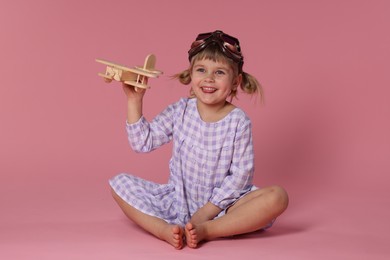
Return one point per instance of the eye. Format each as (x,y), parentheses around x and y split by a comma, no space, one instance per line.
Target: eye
(220,72)
(200,70)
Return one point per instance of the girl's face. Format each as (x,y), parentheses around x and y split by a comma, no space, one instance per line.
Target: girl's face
(212,82)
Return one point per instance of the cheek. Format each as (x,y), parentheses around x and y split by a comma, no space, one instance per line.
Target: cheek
(194,81)
(194,87)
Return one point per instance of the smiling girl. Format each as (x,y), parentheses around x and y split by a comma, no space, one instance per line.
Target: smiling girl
(210,193)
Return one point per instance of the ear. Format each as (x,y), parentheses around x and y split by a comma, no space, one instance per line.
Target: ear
(237,81)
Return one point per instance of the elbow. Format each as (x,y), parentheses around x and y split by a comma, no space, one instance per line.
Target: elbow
(140,147)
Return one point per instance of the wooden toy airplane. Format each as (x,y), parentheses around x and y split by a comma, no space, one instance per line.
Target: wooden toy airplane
(136,76)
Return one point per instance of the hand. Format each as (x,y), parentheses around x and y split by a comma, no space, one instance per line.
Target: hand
(133,92)
(205,213)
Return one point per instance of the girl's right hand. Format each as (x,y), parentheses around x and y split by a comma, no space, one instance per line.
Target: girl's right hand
(133,92)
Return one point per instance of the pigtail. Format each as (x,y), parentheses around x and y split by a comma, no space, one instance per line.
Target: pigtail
(250,85)
(184,77)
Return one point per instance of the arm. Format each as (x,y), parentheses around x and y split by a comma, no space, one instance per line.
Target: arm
(146,136)
(239,178)
(134,103)
(207,212)
(237,182)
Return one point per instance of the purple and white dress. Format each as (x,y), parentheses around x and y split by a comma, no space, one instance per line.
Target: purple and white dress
(211,162)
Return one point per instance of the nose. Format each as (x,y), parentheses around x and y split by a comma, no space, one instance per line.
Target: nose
(209,77)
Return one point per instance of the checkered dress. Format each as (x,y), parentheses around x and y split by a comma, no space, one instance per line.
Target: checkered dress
(211,162)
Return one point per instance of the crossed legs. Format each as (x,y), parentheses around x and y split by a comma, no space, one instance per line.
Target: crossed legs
(252,212)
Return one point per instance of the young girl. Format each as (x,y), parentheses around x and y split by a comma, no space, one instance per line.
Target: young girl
(210,192)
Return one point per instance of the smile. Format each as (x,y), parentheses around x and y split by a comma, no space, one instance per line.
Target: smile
(208,89)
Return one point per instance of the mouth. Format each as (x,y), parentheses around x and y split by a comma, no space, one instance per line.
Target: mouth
(208,89)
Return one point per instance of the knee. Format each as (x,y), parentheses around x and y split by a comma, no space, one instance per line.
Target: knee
(278,198)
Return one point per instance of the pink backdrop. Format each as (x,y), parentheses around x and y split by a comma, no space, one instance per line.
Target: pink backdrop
(323,132)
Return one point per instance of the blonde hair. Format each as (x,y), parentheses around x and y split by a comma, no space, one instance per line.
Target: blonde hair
(249,83)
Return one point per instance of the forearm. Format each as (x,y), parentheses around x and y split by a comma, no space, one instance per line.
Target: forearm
(134,110)
(134,102)
(207,212)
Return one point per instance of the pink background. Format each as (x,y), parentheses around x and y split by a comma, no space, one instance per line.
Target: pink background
(323,132)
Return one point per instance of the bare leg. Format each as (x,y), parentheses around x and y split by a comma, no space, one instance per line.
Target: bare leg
(173,234)
(252,212)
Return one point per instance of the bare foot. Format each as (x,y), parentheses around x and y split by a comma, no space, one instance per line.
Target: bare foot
(174,235)
(194,235)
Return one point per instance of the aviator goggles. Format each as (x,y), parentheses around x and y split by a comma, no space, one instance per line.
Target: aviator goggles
(229,45)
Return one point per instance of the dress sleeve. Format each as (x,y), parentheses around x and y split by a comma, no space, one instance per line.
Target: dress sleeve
(146,136)
(239,179)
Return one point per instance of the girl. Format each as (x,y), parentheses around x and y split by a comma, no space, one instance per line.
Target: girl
(210,192)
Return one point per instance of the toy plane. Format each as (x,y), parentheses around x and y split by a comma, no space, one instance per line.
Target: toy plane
(136,76)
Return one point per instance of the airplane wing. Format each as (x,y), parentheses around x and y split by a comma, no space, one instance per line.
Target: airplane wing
(156,72)
(136,70)
(137,84)
(111,64)
(144,72)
